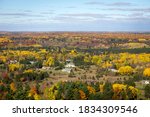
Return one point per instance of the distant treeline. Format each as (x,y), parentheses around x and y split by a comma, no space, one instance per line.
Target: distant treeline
(88,50)
(115,50)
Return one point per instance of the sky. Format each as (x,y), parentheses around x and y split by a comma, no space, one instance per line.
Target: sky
(75,15)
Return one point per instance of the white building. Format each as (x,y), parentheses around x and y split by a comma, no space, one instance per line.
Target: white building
(145,82)
(68,70)
(45,68)
(113,70)
(69,66)
(13,61)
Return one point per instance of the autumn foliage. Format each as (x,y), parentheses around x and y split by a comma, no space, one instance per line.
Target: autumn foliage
(74,65)
(146,72)
(126,70)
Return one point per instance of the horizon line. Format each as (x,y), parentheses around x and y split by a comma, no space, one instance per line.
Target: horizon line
(82,31)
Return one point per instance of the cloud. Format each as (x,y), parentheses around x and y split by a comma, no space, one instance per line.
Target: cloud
(47,12)
(129,9)
(140,9)
(84,15)
(71,7)
(120,4)
(72,17)
(111,4)
(95,3)
(65,19)
(97,17)
(133,17)
(93,17)
(138,19)
(138,16)
(23,14)
(27,11)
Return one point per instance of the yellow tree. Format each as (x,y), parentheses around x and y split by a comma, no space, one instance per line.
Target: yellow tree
(15,66)
(82,95)
(146,72)
(3,58)
(134,91)
(118,90)
(101,87)
(73,52)
(96,60)
(126,70)
(106,64)
(28,71)
(49,62)
(33,93)
(51,93)
(91,90)
(87,58)
(122,91)
(5,40)
(13,87)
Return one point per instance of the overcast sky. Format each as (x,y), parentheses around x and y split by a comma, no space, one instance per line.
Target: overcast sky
(74,15)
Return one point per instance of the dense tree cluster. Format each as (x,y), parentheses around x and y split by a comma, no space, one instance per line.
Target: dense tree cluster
(74,65)
(84,91)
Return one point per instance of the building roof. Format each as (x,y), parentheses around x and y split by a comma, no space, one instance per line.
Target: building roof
(70,65)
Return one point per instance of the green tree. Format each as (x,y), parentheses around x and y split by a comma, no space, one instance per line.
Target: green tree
(147,91)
